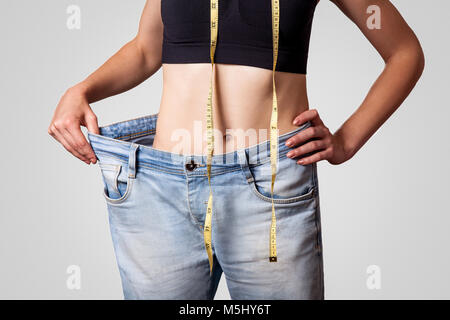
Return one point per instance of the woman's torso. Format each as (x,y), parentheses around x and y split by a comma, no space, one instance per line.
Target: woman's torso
(242,106)
(242,101)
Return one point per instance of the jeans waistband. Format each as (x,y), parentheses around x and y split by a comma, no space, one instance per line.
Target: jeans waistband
(118,139)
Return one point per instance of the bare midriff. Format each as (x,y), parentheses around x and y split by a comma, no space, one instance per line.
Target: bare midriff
(242,105)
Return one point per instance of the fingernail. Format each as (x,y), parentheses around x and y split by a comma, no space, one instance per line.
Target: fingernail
(295,122)
(289,143)
(301,161)
(290,154)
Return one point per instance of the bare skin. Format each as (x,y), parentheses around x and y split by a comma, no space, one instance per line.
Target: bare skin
(243,94)
(242,100)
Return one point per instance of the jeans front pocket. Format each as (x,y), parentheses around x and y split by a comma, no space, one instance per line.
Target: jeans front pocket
(293,183)
(116,182)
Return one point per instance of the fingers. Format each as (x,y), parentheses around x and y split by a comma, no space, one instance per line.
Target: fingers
(91,123)
(318,156)
(315,142)
(69,134)
(308,115)
(307,148)
(80,144)
(307,134)
(72,112)
(55,133)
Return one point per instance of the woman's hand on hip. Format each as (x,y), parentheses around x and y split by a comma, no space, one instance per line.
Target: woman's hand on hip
(72,112)
(316,143)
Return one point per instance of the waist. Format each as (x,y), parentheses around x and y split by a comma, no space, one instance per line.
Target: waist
(242,106)
(115,141)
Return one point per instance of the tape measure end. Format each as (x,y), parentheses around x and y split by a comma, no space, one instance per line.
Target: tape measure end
(273,259)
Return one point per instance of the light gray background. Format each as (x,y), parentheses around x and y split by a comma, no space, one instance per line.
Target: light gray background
(388,206)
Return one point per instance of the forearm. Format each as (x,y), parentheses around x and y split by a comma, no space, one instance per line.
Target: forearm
(130,66)
(401,73)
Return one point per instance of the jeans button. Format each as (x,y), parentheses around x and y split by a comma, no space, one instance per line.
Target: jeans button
(191,166)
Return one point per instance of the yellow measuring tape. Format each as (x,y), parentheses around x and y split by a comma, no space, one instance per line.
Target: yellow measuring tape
(210,132)
(273,130)
(274,127)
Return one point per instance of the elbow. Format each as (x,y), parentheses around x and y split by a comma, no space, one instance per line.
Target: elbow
(411,58)
(420,61)
(416,59)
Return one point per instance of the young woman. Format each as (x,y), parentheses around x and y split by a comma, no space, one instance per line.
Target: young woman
(184,208)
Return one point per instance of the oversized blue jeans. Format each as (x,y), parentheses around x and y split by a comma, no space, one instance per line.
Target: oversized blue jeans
(157,202)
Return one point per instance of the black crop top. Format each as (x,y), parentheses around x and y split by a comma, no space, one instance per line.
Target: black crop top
(244,36)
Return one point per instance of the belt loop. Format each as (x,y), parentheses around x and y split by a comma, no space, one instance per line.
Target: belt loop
(243,161)
(132,161)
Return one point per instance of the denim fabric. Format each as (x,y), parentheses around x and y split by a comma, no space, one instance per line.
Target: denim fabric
(157,202)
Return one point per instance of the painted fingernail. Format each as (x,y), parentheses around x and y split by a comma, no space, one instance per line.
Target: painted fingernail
(290,154)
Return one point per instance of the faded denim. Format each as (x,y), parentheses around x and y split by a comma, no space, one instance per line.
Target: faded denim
(157,202)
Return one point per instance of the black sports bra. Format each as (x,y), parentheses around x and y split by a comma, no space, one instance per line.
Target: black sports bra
(244,36)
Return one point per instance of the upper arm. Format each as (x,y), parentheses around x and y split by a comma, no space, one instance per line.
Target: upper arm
(394,35)
(150,33)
